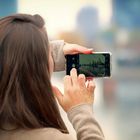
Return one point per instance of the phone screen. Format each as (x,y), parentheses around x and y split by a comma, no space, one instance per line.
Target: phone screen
(92,65)
(95,65)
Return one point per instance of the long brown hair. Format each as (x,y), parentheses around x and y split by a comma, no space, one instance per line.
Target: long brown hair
(26,96)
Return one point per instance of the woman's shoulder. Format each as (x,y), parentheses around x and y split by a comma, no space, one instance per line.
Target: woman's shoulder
(44,134)
(35,134)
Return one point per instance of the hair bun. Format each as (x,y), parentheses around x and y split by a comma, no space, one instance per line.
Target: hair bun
(36,19)
(39,20)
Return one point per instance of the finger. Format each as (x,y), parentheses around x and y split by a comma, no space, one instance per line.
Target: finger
(73,74)
(67,83)
(91,86)
(81,49)
(81,80)
(57,94)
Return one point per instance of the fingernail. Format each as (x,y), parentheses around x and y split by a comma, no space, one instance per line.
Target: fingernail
(74,69)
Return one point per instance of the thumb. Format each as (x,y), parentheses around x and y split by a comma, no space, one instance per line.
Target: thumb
(57,94)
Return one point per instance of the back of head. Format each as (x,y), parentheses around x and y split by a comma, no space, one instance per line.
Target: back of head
(26,97)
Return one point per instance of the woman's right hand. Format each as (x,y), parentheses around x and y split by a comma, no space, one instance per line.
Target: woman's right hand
(75,91)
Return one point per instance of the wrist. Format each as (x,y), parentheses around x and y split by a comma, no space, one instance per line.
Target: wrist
(85,108)
(81,106)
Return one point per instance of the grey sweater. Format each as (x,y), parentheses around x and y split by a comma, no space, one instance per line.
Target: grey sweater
(80,116)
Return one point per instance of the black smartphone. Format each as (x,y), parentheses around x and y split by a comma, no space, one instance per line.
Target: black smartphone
(91,65)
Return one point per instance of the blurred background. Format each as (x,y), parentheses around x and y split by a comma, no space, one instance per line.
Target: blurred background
(104,25)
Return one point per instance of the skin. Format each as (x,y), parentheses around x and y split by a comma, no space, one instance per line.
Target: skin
(76,91)
(74,49)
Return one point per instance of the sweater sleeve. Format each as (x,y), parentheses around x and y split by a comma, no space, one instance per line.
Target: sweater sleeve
(84,123)
(58,55)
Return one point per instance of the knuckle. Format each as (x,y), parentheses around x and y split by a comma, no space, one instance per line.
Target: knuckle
(67,90)
(74,89)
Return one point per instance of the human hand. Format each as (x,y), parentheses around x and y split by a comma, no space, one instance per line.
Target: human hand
(75,91)
(74,49)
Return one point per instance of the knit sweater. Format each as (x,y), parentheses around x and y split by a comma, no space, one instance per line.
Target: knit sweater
(80,116)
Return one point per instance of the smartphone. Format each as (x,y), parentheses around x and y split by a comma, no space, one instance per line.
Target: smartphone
(91,65)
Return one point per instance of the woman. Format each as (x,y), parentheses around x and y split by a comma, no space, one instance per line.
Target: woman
(28,109)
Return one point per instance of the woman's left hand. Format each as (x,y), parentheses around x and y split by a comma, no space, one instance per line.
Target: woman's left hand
(74,49)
